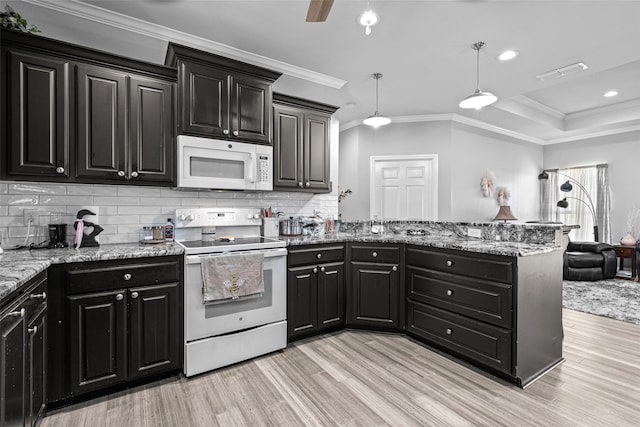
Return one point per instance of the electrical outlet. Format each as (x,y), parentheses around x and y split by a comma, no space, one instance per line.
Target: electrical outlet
(474,232)
(31,216)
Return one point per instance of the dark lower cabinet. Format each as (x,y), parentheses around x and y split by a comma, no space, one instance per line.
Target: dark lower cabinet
(315,291)
(114,324)
(23,355)
(376,293)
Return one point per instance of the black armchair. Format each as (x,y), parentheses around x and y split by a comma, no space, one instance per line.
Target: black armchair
(589,261)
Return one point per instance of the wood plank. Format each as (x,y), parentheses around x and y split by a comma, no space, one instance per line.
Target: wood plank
(359,378)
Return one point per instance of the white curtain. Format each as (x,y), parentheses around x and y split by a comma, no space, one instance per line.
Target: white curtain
(588,198)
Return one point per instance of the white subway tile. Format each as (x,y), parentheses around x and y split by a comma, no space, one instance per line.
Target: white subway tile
(119,219)
(198,202)
(37,188)
(66,200)
(137,210)
(116,201)
(156,201)
(168,192)
(4,188)
(139,191)
(91,190)
(24,200)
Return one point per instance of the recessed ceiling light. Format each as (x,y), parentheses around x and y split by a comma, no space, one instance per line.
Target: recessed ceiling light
(610,93)
(508,54)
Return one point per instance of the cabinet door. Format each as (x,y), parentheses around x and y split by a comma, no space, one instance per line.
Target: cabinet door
(316,153)
(37,367)
(38,116)
(101,144)
(151,140)
(97,340)
(251,109)
(302,301)
(375,295)
(330,295)
(287,147)
(203,100)
(12,368)
(154,336)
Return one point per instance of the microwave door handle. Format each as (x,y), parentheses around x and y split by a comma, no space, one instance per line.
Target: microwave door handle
(252,168)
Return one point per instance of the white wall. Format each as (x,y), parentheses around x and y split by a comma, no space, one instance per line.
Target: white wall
(464,153)
(622,154)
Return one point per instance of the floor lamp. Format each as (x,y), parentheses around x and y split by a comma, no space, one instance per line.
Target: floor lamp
(567,187)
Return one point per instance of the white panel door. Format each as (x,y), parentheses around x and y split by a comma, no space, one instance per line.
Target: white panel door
(404,187)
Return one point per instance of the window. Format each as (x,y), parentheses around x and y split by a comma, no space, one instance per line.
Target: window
(587,203)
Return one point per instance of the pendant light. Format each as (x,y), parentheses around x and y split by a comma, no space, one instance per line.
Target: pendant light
(376,120)
(479,98)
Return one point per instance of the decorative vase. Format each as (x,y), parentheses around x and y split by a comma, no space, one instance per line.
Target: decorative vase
(628,240)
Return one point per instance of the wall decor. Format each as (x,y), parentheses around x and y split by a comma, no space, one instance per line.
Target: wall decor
(11,20)
(487,183)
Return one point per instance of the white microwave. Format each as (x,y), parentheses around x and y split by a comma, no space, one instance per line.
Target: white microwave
(224,165)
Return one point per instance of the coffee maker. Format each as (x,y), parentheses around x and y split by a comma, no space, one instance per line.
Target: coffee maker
(57,232)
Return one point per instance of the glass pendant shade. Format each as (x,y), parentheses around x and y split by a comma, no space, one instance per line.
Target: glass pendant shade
(479,98)
(376,119)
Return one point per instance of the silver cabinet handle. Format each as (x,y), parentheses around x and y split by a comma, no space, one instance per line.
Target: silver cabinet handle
(318,256)
(119,297)
(322,269)
(308,184)
(449,331)
(315,270)
(394,268)
(134,295)
(121,173)
(60,169)
(225,131)
(33,330)
(42,295)
(449,292)
(134,174)
(20,313)
(375,254)
(449,263)
(127,276)
(236,133)
(300,184)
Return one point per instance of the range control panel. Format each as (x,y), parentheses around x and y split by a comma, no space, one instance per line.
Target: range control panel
(203,217)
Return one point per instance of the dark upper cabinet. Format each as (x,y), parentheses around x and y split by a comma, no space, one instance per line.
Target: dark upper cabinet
(301,145)
(222,98)
(78,115)
(101,122)
(37,115)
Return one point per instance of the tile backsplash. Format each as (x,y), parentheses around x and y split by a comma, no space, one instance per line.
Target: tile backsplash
(123,210)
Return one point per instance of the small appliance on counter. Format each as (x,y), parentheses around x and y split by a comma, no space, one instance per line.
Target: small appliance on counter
(58,236)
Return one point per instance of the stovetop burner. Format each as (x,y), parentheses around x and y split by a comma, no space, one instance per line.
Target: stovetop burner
(238,244)
(224,242)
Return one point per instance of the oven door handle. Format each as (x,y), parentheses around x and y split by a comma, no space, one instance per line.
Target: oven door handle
(271,253)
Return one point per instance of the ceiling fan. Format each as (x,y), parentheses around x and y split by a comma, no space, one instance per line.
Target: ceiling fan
(319,10)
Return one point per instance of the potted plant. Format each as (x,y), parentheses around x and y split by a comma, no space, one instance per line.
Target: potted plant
(11,20)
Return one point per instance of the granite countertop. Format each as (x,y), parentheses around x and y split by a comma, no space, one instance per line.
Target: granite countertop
(18,267)
(495,247)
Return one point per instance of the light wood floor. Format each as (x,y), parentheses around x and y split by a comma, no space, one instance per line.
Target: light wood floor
(357,378)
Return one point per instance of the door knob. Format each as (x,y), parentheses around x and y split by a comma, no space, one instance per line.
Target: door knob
(318,256)
(119,297)
(449,292)
(60,169)
(375,254)
(134,174)
(449,331)
(449,263)
(315,270)
(42,295)
(307,184)
(33,330)
(300,184)
(322,269)
(394,268)
(121,173)
(134,295)
(127,276)
(226,131)
(236,133)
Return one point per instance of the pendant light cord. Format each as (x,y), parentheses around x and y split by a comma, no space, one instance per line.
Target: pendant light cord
(377,77)
(477,46)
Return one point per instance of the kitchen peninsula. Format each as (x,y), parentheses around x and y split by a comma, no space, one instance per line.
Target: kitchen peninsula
(494,302)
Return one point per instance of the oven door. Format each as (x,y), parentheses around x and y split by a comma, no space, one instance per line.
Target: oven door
(208,320)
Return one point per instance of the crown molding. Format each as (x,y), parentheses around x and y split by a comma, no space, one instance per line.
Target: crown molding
(138,26)
(545,109)
(453,117)
(593,135)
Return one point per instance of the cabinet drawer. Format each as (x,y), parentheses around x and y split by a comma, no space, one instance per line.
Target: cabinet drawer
(477,341)
(499,269)
(482,300)
(120,276)
(309,255)
(377,254)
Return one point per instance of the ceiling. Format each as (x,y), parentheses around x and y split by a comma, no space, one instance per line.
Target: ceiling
(422,48)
